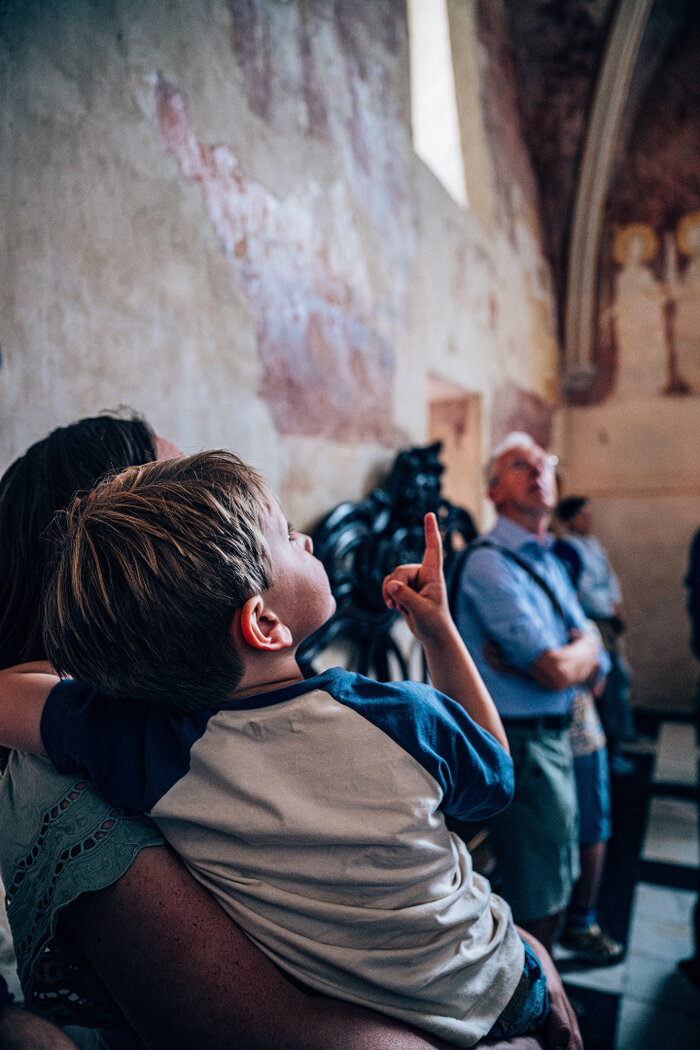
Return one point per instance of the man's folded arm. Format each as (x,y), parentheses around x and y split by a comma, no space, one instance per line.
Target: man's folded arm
(575,663)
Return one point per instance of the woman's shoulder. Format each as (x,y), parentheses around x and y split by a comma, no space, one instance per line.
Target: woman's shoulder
(38,802)
(44,814)
(60,839)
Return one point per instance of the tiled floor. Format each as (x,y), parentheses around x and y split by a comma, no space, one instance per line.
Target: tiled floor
(653,1005)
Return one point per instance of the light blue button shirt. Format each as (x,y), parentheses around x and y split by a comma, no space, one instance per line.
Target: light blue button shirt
(499,600)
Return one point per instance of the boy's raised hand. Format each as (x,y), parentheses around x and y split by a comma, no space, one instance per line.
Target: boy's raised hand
(420,595)
(418,591)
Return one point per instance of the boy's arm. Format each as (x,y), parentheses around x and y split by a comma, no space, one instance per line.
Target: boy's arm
(420,595)
(22,1030)
(23,692)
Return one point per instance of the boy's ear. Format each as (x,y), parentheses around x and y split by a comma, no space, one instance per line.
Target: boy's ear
(261,628)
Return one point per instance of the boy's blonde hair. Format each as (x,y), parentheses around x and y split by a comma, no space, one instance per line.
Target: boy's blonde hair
(150,568)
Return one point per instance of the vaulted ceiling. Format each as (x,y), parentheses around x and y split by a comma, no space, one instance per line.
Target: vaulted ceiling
(600,159)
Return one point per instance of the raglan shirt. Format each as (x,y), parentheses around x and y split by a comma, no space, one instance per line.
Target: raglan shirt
(314,815)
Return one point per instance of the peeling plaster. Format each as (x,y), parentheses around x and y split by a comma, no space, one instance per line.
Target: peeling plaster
(327,369)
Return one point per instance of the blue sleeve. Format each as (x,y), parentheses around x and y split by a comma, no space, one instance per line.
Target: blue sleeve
(598,585)
(473,771)
(133,752)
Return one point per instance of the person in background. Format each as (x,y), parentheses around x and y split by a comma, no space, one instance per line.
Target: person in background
(582,933)
(601,598)
(520,618)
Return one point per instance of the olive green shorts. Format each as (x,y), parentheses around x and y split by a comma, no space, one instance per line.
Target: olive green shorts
(535,840)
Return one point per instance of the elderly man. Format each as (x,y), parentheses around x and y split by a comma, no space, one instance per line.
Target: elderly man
(525,628)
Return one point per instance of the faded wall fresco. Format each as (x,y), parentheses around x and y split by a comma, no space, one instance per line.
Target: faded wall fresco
(685,299)
(326,333)
(214,214)
(327,368)
(632,434)
(648,342)
(656,310)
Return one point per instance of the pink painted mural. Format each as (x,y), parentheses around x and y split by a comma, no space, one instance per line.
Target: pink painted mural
(518,409)
(328,302)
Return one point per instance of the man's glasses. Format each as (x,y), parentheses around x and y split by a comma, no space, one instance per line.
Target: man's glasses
(541,463)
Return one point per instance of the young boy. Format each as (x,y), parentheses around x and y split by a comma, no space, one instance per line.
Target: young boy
(312,810)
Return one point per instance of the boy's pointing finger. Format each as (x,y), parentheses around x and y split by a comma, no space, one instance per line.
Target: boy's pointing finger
(433,543)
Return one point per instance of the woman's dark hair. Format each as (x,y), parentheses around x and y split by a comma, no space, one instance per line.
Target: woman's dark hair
(568,508)
(36,486)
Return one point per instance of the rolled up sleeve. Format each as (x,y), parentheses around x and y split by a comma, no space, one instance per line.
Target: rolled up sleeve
(516,614)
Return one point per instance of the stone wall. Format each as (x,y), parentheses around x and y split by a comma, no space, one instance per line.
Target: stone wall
(213,214)
(634,447)
(638,463)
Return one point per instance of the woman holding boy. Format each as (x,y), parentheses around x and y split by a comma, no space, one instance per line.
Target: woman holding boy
(144,906)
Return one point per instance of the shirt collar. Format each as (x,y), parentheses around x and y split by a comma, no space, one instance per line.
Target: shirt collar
(515,537)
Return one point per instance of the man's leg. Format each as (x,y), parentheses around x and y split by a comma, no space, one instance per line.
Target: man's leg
(584,899)
(582,932)
(535,840)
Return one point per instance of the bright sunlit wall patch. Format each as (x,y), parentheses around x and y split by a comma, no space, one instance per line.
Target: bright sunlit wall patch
(435,125)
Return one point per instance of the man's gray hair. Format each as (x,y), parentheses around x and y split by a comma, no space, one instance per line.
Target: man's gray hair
(515,439)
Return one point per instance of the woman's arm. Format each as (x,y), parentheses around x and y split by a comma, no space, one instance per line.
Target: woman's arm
(23,693)
(184,974)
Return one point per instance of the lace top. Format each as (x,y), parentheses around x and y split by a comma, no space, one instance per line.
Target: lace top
(60,839)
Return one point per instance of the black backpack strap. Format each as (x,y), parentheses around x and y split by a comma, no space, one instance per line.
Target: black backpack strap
(570,559)
(453,575)
(455,569)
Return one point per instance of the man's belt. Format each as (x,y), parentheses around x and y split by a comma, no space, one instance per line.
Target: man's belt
(554,722)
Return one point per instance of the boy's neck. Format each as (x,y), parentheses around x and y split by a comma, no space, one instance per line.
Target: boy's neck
(263,673)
